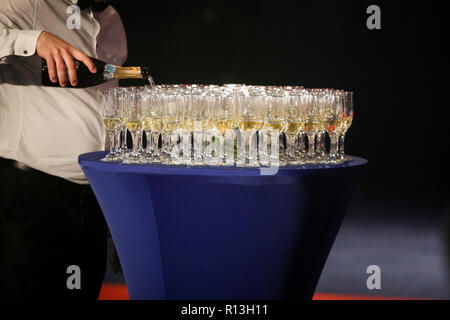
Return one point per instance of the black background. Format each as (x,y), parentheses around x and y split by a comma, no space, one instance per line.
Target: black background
(396,72)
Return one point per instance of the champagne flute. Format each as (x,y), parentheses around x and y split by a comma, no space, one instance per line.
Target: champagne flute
(250,121)
(112,119)
(275,122)
(345,122)
(123,128)
(211,151)
(148,109)
(135,123)
(225,124)
(156,122)
(295,124)
(118,98)
(185,126)
(171,125)
(328,116)
(168,107)
(311,124)
(196,102)
(321,104)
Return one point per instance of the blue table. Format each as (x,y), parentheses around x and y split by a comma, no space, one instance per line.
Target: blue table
(222,233)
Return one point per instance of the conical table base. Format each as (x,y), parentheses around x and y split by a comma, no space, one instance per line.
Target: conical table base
(222,233)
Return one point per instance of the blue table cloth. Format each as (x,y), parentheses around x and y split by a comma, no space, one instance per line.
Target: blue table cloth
(222,232)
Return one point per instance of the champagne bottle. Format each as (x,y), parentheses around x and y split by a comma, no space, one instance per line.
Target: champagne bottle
(105,72)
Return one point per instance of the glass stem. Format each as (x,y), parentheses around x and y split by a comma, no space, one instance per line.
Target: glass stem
(148,147)
(323,148)
(240,146)
(155,141)
(250,147)
(135,142)
(341,145)
(165,144)
(111,142)
(140,140)
(320,144)
(301,144)
(290,145)
(124,139)
(282,147)
(117,148)
(186,146)
(222,148)
(229,147)
(334,145)
(253,148)
(263,144)
(215,146)
(207,147)
(274,141)
(198,147)
(175,146)
(311,143)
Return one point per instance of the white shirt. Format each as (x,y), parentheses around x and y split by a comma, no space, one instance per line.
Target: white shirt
(47,128)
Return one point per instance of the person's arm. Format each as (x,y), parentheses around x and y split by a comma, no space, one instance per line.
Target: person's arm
(54,50)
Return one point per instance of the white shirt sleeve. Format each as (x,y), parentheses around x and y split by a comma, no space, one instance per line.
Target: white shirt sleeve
(14,42)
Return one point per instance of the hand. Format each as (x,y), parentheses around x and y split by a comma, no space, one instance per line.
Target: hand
(60,54)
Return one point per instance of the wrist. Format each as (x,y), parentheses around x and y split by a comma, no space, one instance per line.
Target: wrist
(26,42)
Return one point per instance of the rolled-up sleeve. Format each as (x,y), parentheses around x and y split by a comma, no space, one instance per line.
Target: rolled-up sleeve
(15,42)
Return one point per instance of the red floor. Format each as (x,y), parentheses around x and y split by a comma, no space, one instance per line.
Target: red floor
(119,292)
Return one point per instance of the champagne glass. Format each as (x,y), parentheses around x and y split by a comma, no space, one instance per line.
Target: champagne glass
(345,122)
(156,121)
(321,104)
(115,99)
(225,124)
(135,122)
(141,151)
(185,126)
(196,102)
(311,124)
(169,123)
(211,151)
(275,122)
(300,145)
(263,132)
(118,96)
(250,120)
(112,119)
(152,125)
(123,128)
(328,116)
(295,124)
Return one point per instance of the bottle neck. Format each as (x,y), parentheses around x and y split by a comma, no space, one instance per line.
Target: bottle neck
(117,72)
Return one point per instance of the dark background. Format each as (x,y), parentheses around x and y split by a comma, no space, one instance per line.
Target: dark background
(395,72)
(399,217)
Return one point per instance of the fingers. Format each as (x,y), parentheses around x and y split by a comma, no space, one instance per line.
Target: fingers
(71,68)
(51,69)
(61,70)
(60,54)
(77,54)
